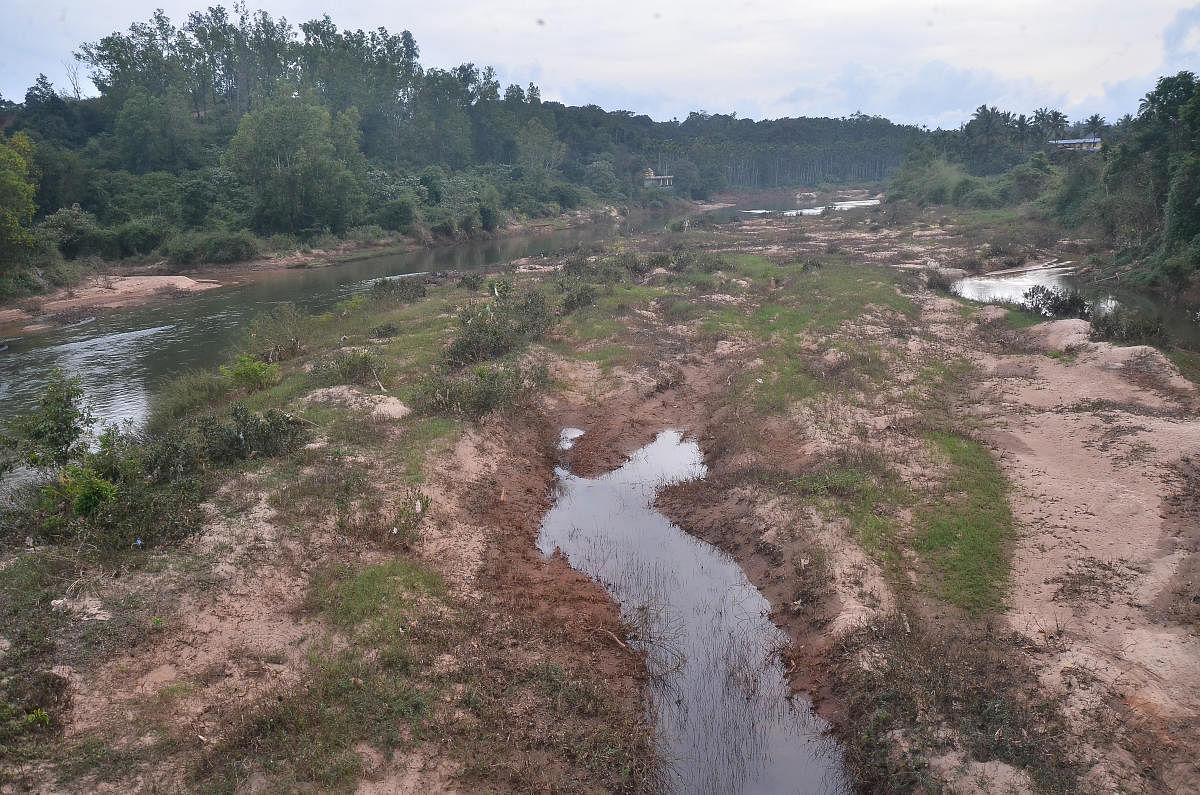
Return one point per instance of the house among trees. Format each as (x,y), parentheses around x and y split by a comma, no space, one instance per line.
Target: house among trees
(651,180)
(1076,145)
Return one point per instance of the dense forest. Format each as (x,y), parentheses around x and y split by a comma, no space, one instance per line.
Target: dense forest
(238,132)
(1140,193)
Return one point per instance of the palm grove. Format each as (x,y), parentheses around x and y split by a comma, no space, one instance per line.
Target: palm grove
(238,132)
(1140,194)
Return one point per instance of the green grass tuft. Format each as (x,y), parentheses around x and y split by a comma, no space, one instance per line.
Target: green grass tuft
(965,535)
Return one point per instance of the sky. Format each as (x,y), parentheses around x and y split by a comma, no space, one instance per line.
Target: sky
(928,63)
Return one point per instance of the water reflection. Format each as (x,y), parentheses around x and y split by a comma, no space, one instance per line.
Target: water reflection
(721,703)
(1009,287)
(1182,326)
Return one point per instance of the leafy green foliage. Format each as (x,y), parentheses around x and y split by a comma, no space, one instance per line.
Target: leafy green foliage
(251,374)
(303,164)
(16,193)
(401,290)
(279,334)
(53,434)
(494,328)
(213,247)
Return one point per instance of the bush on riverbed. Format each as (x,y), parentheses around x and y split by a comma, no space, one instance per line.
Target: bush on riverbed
(481,390)
(403,290)
(1129,328)
(350,367)
(494,328)
(1055,302)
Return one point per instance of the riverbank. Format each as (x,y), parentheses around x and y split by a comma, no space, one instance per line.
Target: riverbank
(975,532)
(120,285)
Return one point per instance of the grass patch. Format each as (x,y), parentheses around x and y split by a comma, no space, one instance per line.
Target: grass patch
(859,485)
(964,535)
(1017,318)
(924,679)
(1187,361)
(305,737)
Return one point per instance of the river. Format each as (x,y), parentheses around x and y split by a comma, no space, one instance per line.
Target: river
(124,356)
(1181,325)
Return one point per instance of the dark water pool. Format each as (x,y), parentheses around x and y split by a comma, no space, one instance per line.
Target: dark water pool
(725,716)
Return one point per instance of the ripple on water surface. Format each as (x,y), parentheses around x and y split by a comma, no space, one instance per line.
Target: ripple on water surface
(723,709)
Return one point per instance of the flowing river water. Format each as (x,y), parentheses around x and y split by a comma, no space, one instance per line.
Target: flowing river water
(123,357)
(726,720)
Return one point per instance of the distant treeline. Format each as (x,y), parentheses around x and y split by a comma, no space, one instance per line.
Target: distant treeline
(1140,192)
(210,138)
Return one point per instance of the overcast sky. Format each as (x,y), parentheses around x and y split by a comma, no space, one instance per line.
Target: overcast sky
(925,63)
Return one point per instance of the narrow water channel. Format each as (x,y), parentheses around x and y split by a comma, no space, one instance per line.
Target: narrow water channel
(725,718)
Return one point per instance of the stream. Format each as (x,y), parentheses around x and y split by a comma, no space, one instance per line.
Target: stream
(725,717)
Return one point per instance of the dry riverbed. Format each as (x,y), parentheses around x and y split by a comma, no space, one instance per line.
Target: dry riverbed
(981,539)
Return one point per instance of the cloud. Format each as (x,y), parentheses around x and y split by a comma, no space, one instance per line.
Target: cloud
(931,62)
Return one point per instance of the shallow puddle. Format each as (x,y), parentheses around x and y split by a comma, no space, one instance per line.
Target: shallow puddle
(724,715)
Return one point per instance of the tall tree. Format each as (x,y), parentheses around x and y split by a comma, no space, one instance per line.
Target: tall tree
(304,166)
(17,188)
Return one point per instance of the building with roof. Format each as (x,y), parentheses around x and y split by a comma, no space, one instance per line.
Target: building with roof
(652,180)
(1076,144)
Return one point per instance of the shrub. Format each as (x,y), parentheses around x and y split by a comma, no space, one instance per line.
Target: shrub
(349,367)
(185,394)
(397,215)
(248,433)
(1054,302)
(83,489)
(384,331)
(938,281)
(251,374)
(54,433)
(400,290)
(441,222)
(578,296)
(140,236)
(492,329)
(366,234)
(215,247)
(471,281)
(1124,326)
(483,389)
(78,234)
(277,335)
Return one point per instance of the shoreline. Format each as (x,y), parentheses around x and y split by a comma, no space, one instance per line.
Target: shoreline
(123,286)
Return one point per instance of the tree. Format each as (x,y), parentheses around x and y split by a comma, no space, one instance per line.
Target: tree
(17,188)
(538,149)
(1094,125)
(53,434)
(305,168)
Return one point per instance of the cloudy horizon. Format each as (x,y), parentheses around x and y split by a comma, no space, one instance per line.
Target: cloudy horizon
(918,63)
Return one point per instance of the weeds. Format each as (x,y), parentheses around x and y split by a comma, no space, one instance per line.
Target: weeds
(494,328)
(904,679)
(251,374)
(481,390)
(400,290)
(279,334)
(350,367)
